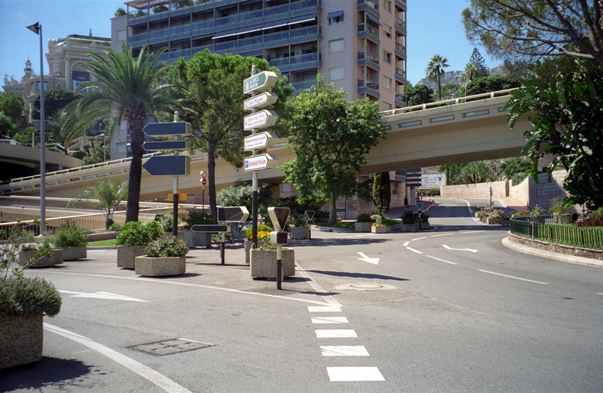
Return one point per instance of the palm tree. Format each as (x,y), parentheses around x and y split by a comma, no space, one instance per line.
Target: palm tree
(435,70)
(125,88)
(470,73)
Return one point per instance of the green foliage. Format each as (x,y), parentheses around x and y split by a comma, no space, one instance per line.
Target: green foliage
(419,94)
(70,235)
(167,247)
(262,228)
(516,169)
(330,138)
(12,106)
(431,192)
(478,63)
(469,173)
(134,233)
(487,84)
(557,206)
(595,221)
(564,100)
(54,100)
(381,192)
(298,207)
(196,216)
(299,222)
(363,217)
(108,194)
(435,71)
(241,195)
(409,217)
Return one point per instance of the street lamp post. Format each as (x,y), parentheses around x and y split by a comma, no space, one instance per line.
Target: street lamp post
(37,28)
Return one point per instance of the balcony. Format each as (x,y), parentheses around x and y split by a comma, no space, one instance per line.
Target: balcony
(368,87)
(369,59)
(371,6)
(400,51)
(400,75)
(295,63)
(369,32)
(400,100)
(400,3)
(400,26)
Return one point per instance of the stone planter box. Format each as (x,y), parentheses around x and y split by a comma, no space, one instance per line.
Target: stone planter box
(562,218)
(56,257)
(263,263)
(247,244)
(197,239)
(410,227)
(381,229)
(300,232)
(126,255)
(362,226)
(22,340)
(160,266)
(74,253)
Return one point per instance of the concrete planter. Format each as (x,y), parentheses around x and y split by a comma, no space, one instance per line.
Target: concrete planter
(126,255)
(410,227)
(362,226)
(74,253)
(159,266)
(381,229)
(56,257)
(197,239)
(300,232)
(22,340)
(263,263)
(247,244)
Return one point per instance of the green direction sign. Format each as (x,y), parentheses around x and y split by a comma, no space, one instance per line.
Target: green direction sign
(259,82)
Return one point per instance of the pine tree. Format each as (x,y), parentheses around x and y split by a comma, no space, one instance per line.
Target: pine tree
(477,60)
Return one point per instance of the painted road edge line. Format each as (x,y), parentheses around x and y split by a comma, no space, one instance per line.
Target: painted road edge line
(441,260)
(513,277)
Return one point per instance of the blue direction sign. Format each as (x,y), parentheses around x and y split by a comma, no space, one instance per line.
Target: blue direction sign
(173,128)
(165,145)
(168,165)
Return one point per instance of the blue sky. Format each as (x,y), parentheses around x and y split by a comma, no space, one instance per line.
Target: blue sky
(434,27)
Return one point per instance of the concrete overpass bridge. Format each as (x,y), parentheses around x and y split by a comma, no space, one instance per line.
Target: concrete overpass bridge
(460,130)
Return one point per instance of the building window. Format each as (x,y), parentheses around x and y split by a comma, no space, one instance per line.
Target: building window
(336,46)
(78,78)
(388,30)
(387,56)
(387,4)
(387,82)
(336,74)
(335,17)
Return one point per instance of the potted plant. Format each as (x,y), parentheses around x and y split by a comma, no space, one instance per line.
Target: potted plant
(133,239)
(409,221)
(379,226)
(495,216)
(72,240)
(536,215)
(363,223)
(263,261)
(561,213)
(23,303)
(40,255)
(165,256)
(263,238)
(300,229)
(195,239)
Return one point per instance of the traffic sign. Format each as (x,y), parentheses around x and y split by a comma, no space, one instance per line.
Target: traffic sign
(203,182)
(260,141)
(260,101)
(168,165)
(203,174)
(173,128)
(259,120)
(233,213)
(259,82)
(259,162)
(165,145)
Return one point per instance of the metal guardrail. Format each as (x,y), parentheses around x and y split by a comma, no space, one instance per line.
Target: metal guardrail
(544,229)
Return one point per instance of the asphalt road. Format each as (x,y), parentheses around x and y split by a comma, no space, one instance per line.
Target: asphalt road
(444,310)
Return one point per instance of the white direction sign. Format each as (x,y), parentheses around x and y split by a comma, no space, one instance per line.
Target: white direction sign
(259,141)
(259,162)
(260,101)
(259,82)
(259,120)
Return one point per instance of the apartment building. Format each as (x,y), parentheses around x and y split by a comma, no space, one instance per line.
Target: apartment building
(358,45)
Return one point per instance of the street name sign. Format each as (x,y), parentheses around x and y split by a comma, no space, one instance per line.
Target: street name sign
(260,101)
(169,129)
(260,141)
(259,162)
(259,82)
(168,165)
(165,145)
(259,120)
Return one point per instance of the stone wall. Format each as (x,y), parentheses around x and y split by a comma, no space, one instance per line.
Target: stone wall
(500,189)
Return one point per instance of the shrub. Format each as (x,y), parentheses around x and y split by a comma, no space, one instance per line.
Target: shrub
(263,232)
(26,296)
(363,217)
(299,222)
(593,221)
(134,233)
(70,235)
(409,217)
(195,217)
(167,247)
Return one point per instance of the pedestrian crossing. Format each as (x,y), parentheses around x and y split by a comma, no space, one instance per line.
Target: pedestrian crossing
(347,373)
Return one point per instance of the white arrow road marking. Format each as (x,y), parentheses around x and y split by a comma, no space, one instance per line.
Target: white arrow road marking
(366,258)
(459,249)
(102,295)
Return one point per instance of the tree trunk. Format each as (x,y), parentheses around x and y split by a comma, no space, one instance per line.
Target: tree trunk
(333,209)
(211,176)
(135,178)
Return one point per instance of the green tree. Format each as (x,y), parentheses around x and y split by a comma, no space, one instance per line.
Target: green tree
(539,28)
(419,94)
(209,88)
(107,195)
(7,126)
(491,83)
(435,71)
(54,100)
(564,101)
(516,169)
(479,63)
(12,106)
(330,138)
(126,88)
(381,192)
(63,128)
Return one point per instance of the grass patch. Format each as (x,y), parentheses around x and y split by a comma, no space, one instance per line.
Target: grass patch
(346,225)
(102,243)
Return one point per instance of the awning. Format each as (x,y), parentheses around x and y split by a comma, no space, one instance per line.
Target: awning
(274,24)
(372,18)
(336,14)
(227,33)
(230,33)
(301,19)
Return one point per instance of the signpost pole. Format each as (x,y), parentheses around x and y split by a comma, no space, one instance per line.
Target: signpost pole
(254,185)
(175,194)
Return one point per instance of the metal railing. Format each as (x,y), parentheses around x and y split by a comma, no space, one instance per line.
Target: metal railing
(544,229)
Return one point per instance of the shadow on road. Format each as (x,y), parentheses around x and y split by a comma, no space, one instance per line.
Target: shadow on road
(358,275)
(58,373)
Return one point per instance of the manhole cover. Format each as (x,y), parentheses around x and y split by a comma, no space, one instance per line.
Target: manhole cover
(170,347)
(366,287)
